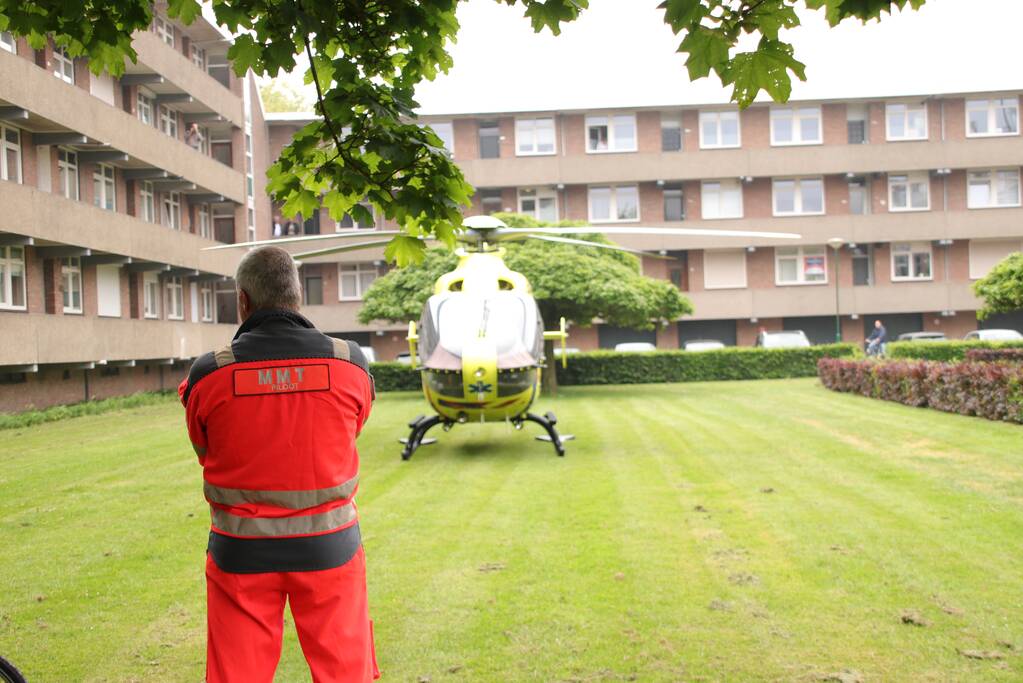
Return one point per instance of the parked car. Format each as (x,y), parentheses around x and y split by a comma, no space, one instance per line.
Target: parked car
(569,350)
(789,339)
(369,353)
(635,347)
(922,336)
(702,345)
(404,358)
(993,335)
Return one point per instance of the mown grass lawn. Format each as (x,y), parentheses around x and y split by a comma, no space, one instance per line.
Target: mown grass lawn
(738,531)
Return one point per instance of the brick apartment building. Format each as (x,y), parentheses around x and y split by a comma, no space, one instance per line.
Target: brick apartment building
(924,191)
(109,188)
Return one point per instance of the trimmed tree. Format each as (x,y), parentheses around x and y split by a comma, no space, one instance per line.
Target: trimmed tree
(1002,288)
(575,282)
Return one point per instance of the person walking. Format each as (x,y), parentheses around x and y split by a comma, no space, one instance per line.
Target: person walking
(273,417)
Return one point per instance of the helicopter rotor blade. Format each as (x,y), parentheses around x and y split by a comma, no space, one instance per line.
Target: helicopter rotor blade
(340,249)
(584,243)
(308,238)
(639,230)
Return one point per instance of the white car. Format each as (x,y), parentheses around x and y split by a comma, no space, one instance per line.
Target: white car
(702,345)
(569,350)
(789,339)
(994,335)
(369,353)
(635,347)
(404,358)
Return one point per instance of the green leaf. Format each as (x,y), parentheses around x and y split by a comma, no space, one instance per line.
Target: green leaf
(707,48)
(244,54)
(184,10)
(765,69)
(405,250)
(683,14)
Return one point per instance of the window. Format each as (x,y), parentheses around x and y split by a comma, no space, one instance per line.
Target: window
(250,186)
(147,202)
(354,280)
(798,197)
(671,132)
(103,187)
(994,188)
(71,277)
(490,201)
(909,192)
(674,206)
(63,65)
(992,117)
(151,295)
(856,123)
(534,136)
(175,299)
(67,173)
(608,204)
(205,222)
(144,108)
(12,278)
(724,268)
(7,42)
(611,133)
(163,29)
(171,210)
(721,199)
(863,265)
(719,129)
(198,56)
(490,140)
(795,125)
(445,130)
(859,196)
(10,141)
(906,121)
(168,121)
(911,261)
(312,290)
(800,265)
(108,291)
(206,303)
(540,203)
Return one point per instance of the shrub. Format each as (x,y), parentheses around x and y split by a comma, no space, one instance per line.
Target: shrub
(608,367)
(1009,355)
(946,351)
(395,377)
(990,390)
(106,405)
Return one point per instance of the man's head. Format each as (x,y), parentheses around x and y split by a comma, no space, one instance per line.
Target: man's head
(877,323)
(267,278)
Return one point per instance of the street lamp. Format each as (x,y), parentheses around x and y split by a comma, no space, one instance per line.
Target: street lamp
(836,244)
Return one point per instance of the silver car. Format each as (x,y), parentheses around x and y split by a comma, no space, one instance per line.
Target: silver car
(994,335)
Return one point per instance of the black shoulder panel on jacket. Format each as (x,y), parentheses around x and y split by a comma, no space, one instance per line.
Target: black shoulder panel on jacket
(203,365)
(281,341)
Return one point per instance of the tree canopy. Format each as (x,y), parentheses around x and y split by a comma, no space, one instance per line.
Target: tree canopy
(1002,288)
(579,283)
(280,96)
(366,58)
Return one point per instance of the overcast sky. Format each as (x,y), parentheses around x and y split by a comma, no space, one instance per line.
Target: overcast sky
(620,53)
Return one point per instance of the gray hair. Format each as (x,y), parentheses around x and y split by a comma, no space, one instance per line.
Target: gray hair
(270,277)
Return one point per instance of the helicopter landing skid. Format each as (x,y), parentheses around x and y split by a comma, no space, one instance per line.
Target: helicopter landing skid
(547,421)
(419,426)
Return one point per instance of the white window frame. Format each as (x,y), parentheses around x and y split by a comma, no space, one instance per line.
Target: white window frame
(175,289)
(71,282)
(354,271)
(612,203)
(103,181)
(6,147)
(205,220)
(801,254)
(991,107)
(150,295)
(912,249)
(67,174)
(8,263)
(610,121)
(907,109)
(147,200)
(992,178)
(445,130)
(8,42)
(170,210)
(206,306)
(163,29)
(198,56)
(536,194)
(168,121)
(716,117)
(796,114)
(797,196)
(527,130)
(910,179)
(144,107)
(706,187)
(63,65)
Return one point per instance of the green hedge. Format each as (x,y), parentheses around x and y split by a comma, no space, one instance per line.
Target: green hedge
(608,367)
(395,377)
(106,405)
(951,351)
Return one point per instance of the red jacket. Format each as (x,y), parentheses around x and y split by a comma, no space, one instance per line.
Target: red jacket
(273,417)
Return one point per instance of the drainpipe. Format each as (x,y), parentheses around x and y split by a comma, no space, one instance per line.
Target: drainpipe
(85,375)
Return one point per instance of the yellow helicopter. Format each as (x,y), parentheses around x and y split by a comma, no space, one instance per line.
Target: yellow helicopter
(479,343)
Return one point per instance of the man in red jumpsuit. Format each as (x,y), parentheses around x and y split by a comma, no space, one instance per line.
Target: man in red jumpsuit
(273,417)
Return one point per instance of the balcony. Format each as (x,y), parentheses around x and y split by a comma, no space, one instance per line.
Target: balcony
(57,107)
(342,316)
(52,218)
(27,339)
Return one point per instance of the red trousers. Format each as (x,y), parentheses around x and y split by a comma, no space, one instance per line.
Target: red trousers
(245,623)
